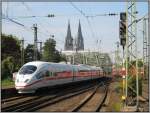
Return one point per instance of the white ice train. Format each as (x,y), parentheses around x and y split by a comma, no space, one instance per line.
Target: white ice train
(37,74)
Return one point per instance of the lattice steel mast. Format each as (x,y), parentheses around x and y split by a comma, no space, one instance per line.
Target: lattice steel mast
(145,48)
(131,45)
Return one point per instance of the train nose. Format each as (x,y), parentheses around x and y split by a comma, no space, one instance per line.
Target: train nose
(21,82)
(24,85)
(21,85)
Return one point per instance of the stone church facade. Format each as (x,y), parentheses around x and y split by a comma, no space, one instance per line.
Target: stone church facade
(74,44)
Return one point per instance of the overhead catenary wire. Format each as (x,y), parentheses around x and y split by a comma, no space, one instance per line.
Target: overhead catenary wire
(20,24)
(59,15)
(82,13)
(88,21)
(96,15)
(31,12)
(12,20)
(30,16)
(23,26)
(77,8)
(7,9)
(47,32)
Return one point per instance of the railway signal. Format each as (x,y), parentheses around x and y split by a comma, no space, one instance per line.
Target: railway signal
(122,29)
(123,16)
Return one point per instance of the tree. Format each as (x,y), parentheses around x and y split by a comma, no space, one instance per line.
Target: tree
(8,67)
(10,52)
(10,47)
(49,50)
(29,53)
(63,57)
(50,54)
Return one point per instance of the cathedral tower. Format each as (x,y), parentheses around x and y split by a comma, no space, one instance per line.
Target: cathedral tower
(79,39)
(68,39)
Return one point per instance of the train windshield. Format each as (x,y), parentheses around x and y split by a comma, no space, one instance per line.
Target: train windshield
(29,69)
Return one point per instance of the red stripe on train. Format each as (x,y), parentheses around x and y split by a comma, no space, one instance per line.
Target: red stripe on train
(51,78)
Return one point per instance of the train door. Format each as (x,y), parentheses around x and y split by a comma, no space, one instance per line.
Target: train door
(41,76)
(91,73)
(73,74)
(99,71)
(48,77)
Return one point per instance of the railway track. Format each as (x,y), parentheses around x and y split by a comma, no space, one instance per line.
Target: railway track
(11,99)
(60,98)
(40,101)
(13,104)
(74,103)
(92,102)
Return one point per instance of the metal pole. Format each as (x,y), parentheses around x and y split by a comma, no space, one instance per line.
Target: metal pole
(35,41)
(148,39)
(83,59)
(117,58)
(86,60)
(126,55)
(131,45)
(96,60)
(40,50)
(123,81)
(148,43)
(73,57)
(137,69)
(22,52)
(145,52)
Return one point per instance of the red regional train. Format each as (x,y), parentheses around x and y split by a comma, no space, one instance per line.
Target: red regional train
(37,74)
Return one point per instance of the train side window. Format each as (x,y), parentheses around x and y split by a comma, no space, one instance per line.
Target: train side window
(54,74)
(40,75)
(47,74)
(50,74)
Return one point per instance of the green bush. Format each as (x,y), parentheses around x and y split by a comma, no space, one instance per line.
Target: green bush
(132,84)
(7,83)
(8,67)
(117,107)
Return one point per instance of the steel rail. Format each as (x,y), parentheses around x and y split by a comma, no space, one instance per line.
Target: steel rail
(25,104)
(86,99)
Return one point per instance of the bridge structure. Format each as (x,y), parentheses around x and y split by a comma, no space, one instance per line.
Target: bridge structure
(92,58)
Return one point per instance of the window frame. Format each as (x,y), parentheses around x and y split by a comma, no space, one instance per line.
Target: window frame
(25,67)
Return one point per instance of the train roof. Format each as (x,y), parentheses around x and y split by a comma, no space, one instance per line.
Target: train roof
(64,66)
(58,65)
(36,63)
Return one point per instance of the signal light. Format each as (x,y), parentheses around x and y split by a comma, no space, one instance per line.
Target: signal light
(123,41)
(122,29)
(123,97)
(122,33)
(123,16)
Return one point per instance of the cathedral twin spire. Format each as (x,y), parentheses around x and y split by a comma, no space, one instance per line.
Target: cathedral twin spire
(78,42)
(69,39)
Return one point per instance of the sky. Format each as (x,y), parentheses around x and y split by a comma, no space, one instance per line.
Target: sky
(104,28)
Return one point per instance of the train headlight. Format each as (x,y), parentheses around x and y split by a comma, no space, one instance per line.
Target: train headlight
(26,80)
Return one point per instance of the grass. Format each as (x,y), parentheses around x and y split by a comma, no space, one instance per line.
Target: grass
(117,105)
(6,83)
